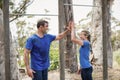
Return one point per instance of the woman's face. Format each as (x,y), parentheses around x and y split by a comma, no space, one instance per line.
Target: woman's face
(82,36)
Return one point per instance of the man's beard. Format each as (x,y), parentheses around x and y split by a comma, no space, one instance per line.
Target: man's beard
(45,32)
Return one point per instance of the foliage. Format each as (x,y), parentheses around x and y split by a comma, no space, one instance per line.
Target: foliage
(115,39)
(118,59)
(85,23)
(116,22)
(1,4)
(117,56)
(18,8)
(54,56)
(23,32)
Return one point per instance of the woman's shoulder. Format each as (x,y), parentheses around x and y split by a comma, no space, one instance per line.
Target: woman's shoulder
(86,42)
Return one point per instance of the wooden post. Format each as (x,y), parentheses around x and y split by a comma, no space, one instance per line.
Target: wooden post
(61,42)
(104,24)
(6,38)
(71,54)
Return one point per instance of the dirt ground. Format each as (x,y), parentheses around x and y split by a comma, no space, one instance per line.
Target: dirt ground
(113,74)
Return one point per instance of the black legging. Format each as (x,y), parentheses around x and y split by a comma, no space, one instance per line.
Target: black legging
(86,73)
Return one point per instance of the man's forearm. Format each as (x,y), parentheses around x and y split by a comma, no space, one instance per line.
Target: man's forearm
(63,34)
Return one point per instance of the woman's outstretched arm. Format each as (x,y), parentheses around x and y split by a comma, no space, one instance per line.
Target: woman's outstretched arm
(73,38)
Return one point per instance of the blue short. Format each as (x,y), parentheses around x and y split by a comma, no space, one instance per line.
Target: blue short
(40,74)
(86,73)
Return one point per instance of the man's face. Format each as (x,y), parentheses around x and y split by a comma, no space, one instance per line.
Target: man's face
(44,28)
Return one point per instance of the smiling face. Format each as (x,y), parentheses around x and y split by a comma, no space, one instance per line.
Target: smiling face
(85,35)
(42,26)
(82,36)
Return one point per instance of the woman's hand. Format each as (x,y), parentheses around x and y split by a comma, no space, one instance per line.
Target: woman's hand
(71,24)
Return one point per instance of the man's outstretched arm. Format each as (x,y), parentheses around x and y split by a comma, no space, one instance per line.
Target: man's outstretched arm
(62,35)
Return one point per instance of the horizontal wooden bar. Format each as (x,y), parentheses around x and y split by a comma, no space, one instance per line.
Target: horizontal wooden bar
(15,14)
(80,5)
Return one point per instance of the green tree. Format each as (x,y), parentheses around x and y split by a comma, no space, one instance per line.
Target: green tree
(54,55)
(17,8)
(1,4)
(23,32)
(17,11)
(115,37)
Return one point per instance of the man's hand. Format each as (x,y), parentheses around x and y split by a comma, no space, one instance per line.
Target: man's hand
(30,73)
(79,71)
(68,28)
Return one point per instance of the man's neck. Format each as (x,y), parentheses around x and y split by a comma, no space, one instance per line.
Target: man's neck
(40,34)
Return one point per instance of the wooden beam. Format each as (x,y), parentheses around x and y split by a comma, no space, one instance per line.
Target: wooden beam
(71,54)
(12,14)
(80,5)
(61,42)
(104,24)
(6,38)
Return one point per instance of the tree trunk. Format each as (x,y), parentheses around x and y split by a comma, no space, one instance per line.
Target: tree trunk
(71,55)
(2,56)
(104,38)
(61,42)
(13,55)
(109,48)
(97,33)
(13,61)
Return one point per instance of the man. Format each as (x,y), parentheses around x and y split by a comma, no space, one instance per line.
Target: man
(38,46)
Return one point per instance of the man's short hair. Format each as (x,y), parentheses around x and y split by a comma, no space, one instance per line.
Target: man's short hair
(41,23)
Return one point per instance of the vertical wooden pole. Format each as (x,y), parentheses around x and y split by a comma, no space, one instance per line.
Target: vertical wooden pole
(6,38)
(71,54)
(104,24)
(61,42)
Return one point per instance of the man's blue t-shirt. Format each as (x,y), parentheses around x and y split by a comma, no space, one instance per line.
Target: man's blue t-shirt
(39,50)
(84,54)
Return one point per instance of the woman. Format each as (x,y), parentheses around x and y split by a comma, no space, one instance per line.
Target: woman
(84,42)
